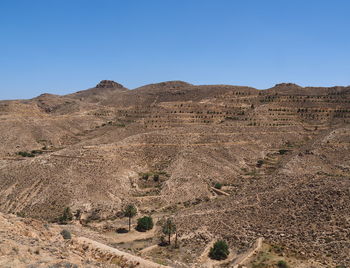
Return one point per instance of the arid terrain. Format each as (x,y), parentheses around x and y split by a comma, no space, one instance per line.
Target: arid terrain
(282,156)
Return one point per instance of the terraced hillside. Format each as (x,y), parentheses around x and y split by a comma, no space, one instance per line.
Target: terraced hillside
(281,154)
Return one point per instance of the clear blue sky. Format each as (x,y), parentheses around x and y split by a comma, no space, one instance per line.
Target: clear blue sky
(61,46)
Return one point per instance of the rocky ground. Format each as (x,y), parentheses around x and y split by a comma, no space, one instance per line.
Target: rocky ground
(281,155)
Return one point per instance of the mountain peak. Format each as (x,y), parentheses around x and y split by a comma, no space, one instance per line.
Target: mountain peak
(109,84)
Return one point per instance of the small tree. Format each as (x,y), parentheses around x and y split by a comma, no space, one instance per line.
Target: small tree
(219,251)
(144,224)
(169,228)
(67,216)
(130,211)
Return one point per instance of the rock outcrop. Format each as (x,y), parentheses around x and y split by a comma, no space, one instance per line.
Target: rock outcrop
(108,84)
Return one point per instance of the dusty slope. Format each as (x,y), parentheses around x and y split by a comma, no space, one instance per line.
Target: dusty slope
(32,243)
(305,210)
(276,150)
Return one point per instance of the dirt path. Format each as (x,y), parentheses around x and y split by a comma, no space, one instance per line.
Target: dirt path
(150,248)
(244,257)
(205,261)
(101,249)
(131,236)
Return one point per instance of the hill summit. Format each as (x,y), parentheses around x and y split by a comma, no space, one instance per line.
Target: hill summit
(109,84)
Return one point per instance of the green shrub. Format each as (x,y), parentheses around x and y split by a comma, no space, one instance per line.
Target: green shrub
(162,241)
(33,153)
(25,154)
(282,264)
(145,176)
(144,224)
(66,234)
(66,217)
(218,185)
(122,231)
(259,163)
(219,251)
(155,177)
(283,151)
(36,152)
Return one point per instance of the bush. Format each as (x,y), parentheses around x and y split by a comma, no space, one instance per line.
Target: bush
(259,163)
(218,185)
(144,224)
(219,251)
(155,177)
(163,242)
(283,151)
(145,176)
(122,231)
(33,153)
(282,264)
(25,154)
(66,217)
(66,234)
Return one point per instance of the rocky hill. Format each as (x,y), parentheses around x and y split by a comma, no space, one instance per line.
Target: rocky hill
(281,154)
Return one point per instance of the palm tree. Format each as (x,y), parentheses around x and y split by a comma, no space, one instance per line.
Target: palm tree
(130,211)
(169,228)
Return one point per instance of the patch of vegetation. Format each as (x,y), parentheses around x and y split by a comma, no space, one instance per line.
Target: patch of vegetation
(169,228)
(130,211)
(259,163)
(262,260)
(252,173)
(217,185)
(219,251)
(20,214)
(66,217)
(231,118)
(289,144)
(282,264)
(156,177)
(145,176)
(25,154)
(66,234)
(33,153)
(162,241)
(122,231)
(283,151)
(163,173)
(144,224)
(154,174)
(277,249)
